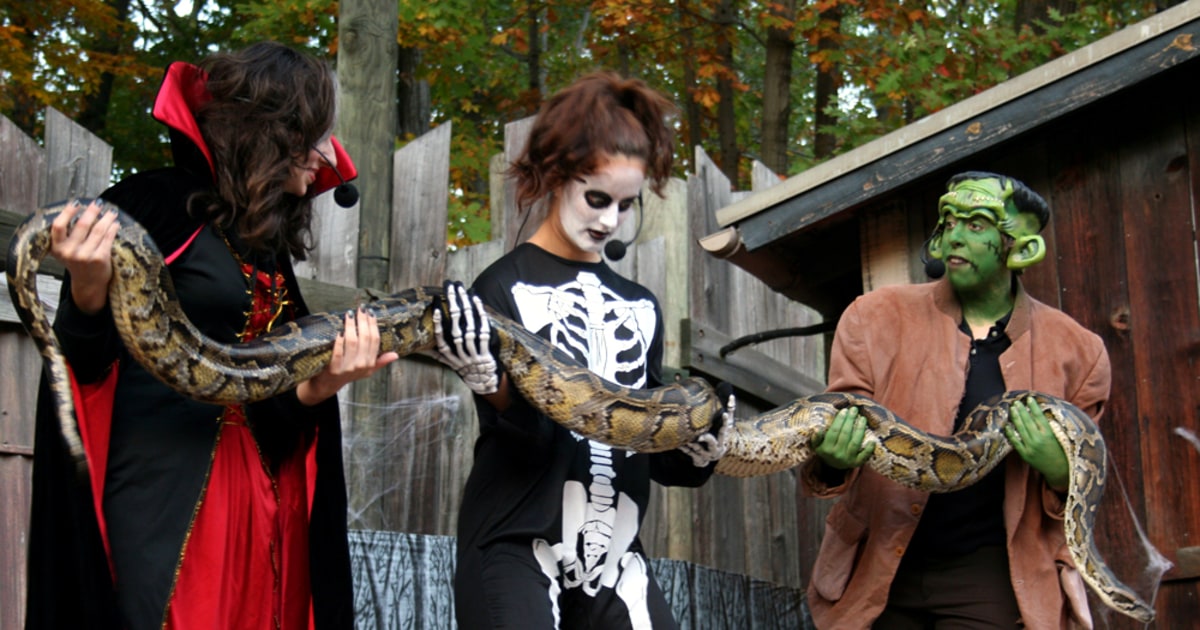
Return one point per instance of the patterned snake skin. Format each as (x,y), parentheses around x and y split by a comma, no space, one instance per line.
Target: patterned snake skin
(160,337)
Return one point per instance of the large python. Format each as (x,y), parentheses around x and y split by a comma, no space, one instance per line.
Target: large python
(160,337)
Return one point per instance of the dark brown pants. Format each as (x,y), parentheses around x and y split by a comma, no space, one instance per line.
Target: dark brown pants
(968,592)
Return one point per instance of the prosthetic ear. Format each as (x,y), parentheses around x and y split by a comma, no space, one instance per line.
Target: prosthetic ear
(934,246)
(1026,251)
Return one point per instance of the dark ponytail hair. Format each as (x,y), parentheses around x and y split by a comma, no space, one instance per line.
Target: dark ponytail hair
(599,115)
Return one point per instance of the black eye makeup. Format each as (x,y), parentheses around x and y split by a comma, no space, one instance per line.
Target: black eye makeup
(599,200)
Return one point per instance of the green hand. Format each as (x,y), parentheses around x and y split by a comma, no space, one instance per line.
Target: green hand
(841,445)
(1031,437)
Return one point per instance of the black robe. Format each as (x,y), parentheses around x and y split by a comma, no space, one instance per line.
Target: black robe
(70,580)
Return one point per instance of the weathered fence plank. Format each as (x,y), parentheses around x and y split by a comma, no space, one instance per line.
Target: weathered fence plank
(78,164)
(22,162)
(518,225)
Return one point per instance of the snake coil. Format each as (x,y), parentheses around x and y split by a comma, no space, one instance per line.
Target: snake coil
(159,336)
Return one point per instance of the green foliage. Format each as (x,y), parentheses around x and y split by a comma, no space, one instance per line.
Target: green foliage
(55,53)
(469,222)
(42,60)
(930,58)
(305,24)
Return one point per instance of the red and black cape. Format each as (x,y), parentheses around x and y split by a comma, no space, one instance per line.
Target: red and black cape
(153,455)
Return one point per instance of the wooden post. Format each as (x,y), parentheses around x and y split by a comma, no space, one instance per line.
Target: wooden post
(367,125)
(367,57)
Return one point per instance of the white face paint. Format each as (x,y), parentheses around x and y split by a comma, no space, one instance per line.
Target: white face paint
(594,206)
(304,169)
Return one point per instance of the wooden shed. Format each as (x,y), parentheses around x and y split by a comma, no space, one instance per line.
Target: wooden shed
(1110,135)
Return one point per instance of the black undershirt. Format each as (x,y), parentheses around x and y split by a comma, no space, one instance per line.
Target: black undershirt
(960,522)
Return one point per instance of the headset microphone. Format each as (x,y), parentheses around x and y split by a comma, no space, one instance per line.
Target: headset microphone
(934,267)
(345,194)
(615,250)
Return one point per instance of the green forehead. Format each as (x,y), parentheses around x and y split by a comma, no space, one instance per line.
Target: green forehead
(984,198)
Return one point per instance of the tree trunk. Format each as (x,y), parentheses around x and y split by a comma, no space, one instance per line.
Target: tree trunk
(726,116)
(93,115)
(367,122)
(412,95)
(693,116)
(777,89)
(824,143)
(533,62)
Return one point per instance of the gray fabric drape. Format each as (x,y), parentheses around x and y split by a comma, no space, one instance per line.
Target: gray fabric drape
(406,582)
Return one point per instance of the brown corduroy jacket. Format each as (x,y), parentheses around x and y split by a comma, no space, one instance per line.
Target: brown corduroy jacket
(902,346)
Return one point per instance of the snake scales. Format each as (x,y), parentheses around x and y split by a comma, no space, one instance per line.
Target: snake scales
(160,337)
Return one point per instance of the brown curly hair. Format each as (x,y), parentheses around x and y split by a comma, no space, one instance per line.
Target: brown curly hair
(269,104)
(599,115)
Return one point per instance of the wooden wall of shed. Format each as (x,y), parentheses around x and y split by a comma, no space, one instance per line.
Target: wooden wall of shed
(1122,179)
(408,452)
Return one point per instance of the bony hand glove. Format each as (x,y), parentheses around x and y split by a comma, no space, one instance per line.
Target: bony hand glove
(1029,432)
(841,444)
(708,448)
(463,347)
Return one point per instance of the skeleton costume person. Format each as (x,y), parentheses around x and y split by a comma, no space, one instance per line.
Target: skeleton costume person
(548,530)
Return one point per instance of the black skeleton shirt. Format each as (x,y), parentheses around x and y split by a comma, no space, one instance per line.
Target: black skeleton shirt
(578,503)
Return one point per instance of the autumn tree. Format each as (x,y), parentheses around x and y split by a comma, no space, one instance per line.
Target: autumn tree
(61,54)
(902,61)
(788,82)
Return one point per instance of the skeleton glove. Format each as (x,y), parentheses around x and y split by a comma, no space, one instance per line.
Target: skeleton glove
(463,347)
(708,448)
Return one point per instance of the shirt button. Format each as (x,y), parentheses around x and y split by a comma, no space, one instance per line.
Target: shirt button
(916,509)
(899,552)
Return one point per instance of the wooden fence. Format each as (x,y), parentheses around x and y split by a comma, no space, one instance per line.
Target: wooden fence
(409,434)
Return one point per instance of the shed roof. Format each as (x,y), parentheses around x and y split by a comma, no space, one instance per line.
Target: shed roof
(778,234)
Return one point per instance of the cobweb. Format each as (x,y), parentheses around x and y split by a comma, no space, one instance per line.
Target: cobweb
(1190,436)
(1118,518)
(382,450)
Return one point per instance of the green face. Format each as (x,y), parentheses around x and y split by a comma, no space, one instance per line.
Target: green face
(980,202)
(974,251)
